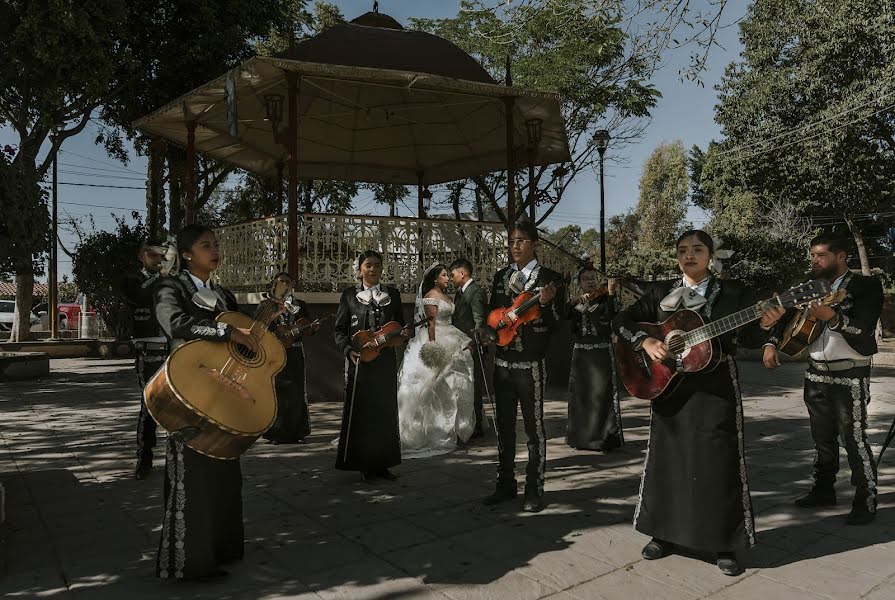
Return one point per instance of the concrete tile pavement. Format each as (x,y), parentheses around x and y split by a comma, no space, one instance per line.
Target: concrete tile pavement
(79,526)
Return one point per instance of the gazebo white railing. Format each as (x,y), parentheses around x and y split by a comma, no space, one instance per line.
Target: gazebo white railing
(253,252)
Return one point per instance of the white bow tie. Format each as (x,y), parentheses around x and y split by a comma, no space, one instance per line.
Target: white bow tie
(373,296)
(682,297)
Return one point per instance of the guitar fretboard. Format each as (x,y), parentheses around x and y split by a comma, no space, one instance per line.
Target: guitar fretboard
(730,322)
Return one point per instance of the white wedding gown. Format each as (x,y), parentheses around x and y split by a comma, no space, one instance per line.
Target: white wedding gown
(435,408)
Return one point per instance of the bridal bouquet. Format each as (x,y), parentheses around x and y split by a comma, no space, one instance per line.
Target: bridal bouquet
(434,355)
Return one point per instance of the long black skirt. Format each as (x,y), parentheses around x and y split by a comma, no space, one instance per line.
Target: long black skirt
(293,422)
(202,527)
(694,491)
(594,412)
(369,438)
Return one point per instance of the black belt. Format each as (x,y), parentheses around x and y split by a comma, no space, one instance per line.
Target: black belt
(839,365)
(151,346)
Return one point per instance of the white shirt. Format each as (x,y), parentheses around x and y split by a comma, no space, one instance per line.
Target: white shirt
(527,269)
(700,288)
(199,283)
(375,287)
(831,345)
(466,285)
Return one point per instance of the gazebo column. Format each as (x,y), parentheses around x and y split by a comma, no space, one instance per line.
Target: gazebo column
(420,215)
(511,174)
(190,175)
(292,82)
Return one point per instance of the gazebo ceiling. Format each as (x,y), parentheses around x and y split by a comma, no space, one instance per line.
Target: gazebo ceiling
(377,104)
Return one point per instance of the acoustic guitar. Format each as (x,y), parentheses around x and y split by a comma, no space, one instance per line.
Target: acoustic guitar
(692,343)
(804,328)
(218,398)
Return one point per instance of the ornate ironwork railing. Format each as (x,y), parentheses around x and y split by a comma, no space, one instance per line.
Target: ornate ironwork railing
(253,252)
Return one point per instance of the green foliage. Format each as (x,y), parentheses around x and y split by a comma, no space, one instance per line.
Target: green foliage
(806,112)
(24,219)
(661,209)
(579,49)
(100,259)
(389,194)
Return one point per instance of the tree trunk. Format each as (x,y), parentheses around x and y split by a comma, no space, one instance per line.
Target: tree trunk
(21,328)
(859,242)
(456,206)
(479,209)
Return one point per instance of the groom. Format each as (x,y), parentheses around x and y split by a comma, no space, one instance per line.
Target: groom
(470,310)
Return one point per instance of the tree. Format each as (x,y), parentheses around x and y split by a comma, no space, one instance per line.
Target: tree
(661,208)
(46,88)
(808,119)
(100,258)
(577,48)
(389,194)
(769,237)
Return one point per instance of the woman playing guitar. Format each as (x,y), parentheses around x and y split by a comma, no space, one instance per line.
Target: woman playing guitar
(694,490)
(202,526)
(369,441)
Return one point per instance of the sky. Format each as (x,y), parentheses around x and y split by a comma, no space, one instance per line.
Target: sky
(685,112)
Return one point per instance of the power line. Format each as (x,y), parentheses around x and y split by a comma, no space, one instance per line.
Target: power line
(103,206)
(101,175)
(90,158)
(92,168)
(818,134)
(807,126)
(97,185)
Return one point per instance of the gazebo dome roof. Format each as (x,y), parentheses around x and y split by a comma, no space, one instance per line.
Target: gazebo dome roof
(378,41)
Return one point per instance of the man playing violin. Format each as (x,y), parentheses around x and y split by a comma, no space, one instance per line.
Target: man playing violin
(519,374)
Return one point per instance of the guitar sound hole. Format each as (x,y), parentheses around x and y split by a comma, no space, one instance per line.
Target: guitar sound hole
(245,355)
(676,344)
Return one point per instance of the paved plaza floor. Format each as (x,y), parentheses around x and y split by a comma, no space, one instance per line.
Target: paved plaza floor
(79,526)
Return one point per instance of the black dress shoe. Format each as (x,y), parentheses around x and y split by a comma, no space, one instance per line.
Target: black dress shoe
(533,503)
(728,564)
(369,477)
(142,470)
(860,516)
(817,498)
(656,549)
(388,475)
(501,494)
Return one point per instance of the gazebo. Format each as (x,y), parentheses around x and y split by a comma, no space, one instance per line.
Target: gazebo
(362,101)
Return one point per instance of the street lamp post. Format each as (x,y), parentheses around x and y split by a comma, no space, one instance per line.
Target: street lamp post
(602,138)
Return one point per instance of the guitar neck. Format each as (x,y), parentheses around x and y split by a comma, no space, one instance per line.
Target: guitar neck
(725,324)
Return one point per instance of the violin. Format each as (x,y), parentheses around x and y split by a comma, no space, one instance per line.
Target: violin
(526,307)
(301,328)
(370,343)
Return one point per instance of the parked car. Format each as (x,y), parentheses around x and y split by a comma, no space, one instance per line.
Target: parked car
(7,310)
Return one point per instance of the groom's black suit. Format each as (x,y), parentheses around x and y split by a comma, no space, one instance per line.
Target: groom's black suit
(470,312)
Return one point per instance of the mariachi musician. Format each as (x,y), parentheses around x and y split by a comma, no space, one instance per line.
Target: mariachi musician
(594,413)
(202,527)
(519,373)
(369,440)
(150,345)
(694,492)
(293,422)
(837,381)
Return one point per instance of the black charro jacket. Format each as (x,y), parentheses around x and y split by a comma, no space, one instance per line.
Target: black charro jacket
(531,342)
(723,297)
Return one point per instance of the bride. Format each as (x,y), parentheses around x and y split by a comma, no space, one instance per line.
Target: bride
(435,384)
